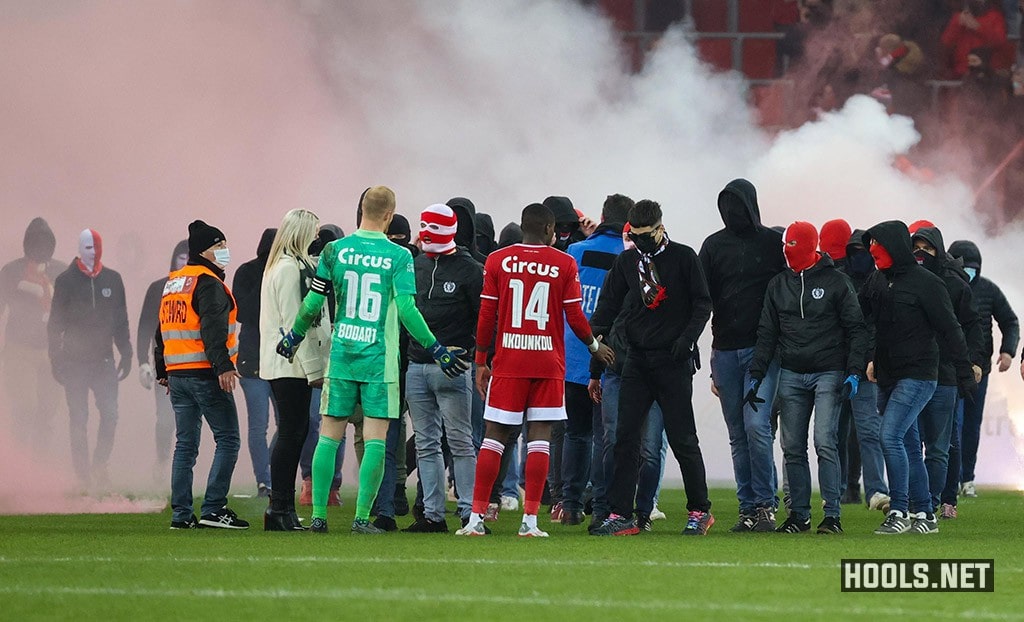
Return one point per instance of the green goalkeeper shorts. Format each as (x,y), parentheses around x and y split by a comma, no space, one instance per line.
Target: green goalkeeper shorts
(379,399)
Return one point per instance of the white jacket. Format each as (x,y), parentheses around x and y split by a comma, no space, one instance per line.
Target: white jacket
(280,300)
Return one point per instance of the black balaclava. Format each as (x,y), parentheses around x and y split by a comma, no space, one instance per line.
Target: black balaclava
(735,213)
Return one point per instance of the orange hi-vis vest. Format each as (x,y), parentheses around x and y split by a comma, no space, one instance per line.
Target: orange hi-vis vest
(179,323)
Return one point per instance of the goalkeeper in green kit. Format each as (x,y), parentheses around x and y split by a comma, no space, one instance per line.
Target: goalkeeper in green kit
(374,285)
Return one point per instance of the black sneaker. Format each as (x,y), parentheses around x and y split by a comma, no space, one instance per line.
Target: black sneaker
(465,521)
(223,518)
(643,522)
(427,526)
(572,517)
(794,525)
(745,524)
(831,525)
(596,520)
(385,523)
(616,525)
(764,520)
(318,525)
(191,523)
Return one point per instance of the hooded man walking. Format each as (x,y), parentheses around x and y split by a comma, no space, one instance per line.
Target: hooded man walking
(88,316)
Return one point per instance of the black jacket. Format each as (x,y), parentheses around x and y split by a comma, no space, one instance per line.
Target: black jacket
(149,316)
(212,304)
(960,296)
(813,320)
(87,318)
(448,295)
(246,288)
(738,263)
(26,287)
(990,303)
(681,316)
(465,235)
(910,309)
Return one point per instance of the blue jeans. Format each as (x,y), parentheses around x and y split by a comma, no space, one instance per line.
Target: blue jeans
(438,405)
(900,405)
(952,487)
(258,400)
(750,433)
(974,408)
(869,425)
(312,438)
(798,395)
(936,427)
(193,400)
(652,461)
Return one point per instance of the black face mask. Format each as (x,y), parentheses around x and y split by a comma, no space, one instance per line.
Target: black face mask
(861,262)
(735,214)
(644,242)
(926,259)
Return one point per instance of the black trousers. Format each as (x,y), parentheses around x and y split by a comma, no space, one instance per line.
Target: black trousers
(292,396)
(648,377)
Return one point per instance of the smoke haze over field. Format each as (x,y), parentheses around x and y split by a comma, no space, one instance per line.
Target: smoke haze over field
(134,118)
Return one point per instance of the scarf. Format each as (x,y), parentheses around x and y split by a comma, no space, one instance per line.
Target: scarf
(651,289)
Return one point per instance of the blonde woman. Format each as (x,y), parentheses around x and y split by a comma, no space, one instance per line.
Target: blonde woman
(285,282)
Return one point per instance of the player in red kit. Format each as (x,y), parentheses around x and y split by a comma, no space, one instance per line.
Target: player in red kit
(528,287)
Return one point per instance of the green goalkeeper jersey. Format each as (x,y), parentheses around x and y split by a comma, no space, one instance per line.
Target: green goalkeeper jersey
(374,286)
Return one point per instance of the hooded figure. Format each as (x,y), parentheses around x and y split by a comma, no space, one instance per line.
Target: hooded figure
(510,234)
(835,234)
(567,221)
(466,234)
(26,295)
(246,288)
(858,264)
(485,234)
(328,233)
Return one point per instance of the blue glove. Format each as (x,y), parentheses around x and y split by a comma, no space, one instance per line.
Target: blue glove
(849,388)
(289,344)
(451,360)
(752,398)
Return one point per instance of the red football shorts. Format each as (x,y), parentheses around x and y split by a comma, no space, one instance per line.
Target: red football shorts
(540,399)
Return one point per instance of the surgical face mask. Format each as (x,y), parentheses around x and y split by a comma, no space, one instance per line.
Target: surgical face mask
(222,256)
(972,273)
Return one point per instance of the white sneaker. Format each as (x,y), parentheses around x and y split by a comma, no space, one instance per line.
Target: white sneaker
(510,504)
(968,490)
(472,529)
(528,532)
(657,514)
(879,501)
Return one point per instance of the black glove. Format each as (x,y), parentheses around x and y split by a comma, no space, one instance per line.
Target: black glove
(752,398)
(967,387)
(683,351)
(124,367)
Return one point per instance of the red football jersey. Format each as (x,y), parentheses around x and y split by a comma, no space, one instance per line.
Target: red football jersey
(531,285)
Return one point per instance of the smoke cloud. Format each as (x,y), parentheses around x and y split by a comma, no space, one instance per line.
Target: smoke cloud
(136,118)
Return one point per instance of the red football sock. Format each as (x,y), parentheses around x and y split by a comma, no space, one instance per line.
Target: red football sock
(488,463)
(537,460)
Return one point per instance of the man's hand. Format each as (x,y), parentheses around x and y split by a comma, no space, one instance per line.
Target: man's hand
(594,389)
(451,360)
(977,373)
(146,376)
(714,389)
(227,380)
(751,397)
(483,380)
(969,21)
(587,226)
(289,344)
(124,367)
(165,384)
(317,384)
(870,372)
(1005,360)
(604,353)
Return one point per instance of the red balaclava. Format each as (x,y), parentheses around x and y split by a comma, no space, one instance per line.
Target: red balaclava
(883,260)
(438,224)
(90,250)
(835,235)
(919,224)
(800,246)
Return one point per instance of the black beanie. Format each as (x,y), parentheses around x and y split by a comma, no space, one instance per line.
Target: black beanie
(202,236)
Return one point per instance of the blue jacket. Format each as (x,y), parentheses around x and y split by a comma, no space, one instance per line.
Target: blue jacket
(594,257)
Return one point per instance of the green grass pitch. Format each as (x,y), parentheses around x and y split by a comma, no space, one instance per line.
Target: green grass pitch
(115,567)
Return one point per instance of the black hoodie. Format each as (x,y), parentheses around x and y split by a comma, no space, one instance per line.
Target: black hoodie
(963,303)
(813,321)
(485,234)
(465,236)
(511,234)
(246,287)
(990,302)
(26,287)
(149,316)
(910,309)
(738,262)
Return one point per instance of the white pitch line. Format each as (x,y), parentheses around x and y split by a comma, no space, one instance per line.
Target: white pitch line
(406,595)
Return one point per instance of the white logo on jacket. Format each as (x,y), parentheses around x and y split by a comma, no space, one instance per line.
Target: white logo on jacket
(449,287)
(817,293)
(106,292)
